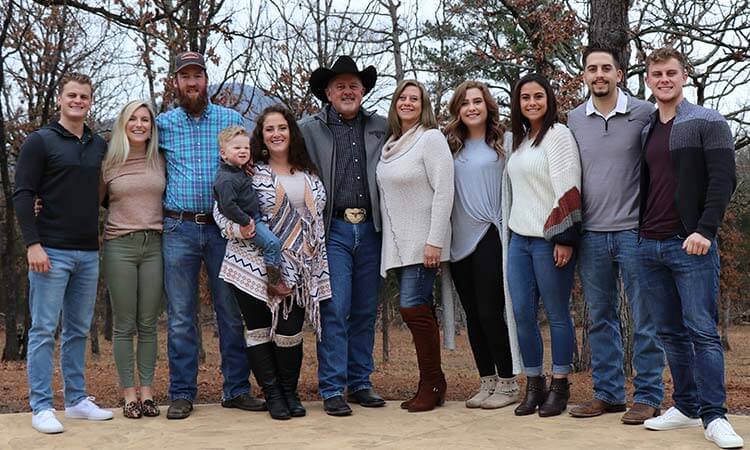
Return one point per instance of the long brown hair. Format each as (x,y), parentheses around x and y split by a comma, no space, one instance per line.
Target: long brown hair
(456,131)
(426,118)
(519,123)
(299,159)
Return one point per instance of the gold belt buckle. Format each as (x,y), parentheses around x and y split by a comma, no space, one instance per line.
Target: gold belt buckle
(355,215)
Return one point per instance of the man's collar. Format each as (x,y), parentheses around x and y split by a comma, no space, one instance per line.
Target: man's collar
(621,107)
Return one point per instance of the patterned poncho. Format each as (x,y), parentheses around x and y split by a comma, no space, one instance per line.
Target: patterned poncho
(302,235)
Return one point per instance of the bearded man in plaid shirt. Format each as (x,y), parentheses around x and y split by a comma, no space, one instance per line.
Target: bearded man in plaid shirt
(188,137)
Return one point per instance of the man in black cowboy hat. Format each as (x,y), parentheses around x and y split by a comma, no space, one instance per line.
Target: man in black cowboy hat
(345,142)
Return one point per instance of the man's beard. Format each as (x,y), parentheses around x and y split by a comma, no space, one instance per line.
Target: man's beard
(193,106)
(601,93)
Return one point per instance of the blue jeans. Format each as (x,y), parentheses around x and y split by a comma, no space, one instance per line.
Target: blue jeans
(531,274)
(69,287)
(603,257)
(415,285)
(268,242)
(184,245)
(682,293)
(348,318)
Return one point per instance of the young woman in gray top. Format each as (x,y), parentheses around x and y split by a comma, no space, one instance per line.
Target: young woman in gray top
(475,137)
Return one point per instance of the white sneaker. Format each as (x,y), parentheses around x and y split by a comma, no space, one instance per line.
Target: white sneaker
(672,419)
(46,422)
(86,409)
(721,433)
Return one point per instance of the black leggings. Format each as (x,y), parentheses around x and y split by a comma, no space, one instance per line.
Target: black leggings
(257,315)
(479,282)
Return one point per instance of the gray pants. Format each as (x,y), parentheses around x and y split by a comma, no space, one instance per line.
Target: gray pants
(133,270)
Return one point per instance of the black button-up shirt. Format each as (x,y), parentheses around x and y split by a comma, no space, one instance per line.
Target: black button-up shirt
(350,190)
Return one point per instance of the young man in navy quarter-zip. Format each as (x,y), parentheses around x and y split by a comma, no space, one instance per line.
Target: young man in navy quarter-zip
(60,163)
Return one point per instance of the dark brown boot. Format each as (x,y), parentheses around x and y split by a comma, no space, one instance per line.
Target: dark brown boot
(275,286)
(536,394)
(432,384)
(557,400)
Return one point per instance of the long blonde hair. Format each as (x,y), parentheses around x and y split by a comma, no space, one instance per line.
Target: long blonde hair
(119,147)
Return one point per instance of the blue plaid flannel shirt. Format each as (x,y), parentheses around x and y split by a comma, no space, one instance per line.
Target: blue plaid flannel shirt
(191,149)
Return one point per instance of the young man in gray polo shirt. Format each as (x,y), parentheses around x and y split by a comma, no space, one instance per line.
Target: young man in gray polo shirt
(608,128)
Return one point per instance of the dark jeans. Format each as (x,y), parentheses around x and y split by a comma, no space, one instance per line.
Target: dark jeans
(348,318)
(603,258)
(479,282)
(184,246)
(682,293)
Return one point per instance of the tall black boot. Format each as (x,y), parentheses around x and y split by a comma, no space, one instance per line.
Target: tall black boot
(536,394)
(264,367)
(289,363)
(557,400)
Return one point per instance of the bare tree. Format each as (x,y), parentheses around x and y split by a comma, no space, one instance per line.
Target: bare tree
(9,275)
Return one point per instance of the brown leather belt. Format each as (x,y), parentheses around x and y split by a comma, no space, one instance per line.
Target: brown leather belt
(199,218)
(351,215)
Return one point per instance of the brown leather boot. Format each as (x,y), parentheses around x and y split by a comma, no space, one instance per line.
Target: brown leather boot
(536,394)
(275,286)
(432,385)
(557,400)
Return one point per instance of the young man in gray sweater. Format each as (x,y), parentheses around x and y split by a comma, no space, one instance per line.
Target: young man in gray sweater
(608,128)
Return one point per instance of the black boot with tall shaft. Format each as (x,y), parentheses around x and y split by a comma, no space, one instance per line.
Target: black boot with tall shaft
(289,363)
(263,363)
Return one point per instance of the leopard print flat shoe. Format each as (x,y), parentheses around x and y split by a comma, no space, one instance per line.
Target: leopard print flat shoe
(150,408)
(132,410)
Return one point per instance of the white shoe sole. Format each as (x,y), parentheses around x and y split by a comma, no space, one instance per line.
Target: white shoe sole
(55,431)
(85,417)
(735,445)
(672,427)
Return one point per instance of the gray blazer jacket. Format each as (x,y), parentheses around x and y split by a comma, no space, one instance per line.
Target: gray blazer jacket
(320,146)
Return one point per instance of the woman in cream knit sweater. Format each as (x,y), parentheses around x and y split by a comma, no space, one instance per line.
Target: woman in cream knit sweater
(415,175)
(541,219)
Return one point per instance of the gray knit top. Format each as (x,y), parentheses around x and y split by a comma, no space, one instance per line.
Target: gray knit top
(477,202)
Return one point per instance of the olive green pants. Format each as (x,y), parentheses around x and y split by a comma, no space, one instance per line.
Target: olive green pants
(134,271)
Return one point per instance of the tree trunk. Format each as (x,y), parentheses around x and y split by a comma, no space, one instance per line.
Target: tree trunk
(626,332)
(94,333)
(725,320)
(385,323)
(582,355)
(608,27)
(107,315)
(8,260)
(395,39)
(26,323)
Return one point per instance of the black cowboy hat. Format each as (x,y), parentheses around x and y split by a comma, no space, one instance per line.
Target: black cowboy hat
(344,64)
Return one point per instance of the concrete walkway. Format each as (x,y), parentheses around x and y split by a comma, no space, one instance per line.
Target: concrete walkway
(452,426)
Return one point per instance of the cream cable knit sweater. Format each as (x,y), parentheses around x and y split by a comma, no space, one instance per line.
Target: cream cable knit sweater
(539,177)
(415,178)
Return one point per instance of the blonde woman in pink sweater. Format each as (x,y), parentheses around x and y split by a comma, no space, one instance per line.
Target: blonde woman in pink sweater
(133,181)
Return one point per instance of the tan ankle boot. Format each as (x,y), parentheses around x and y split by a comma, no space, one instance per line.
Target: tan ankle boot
(486,388)
(506,392)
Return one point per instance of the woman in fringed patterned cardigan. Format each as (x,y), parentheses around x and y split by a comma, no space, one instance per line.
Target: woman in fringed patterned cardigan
(541,226)
(291,199)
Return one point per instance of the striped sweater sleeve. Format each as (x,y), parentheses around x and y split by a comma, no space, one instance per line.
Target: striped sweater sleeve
(564,221)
